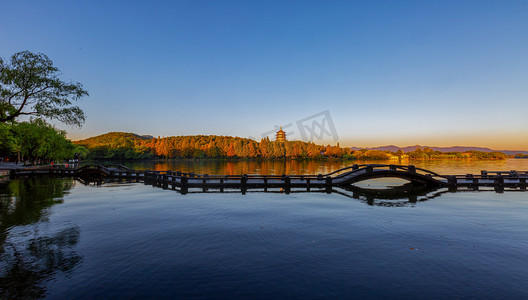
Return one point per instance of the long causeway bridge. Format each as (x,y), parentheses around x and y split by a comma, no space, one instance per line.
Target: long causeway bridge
(344,177)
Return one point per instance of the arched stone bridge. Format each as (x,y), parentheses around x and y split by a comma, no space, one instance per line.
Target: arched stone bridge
(343,177)
(358,173)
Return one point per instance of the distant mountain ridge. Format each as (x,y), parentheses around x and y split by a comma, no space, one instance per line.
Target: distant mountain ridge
(406,149)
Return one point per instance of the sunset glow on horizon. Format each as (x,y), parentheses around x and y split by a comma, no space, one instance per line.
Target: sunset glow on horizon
(448,73)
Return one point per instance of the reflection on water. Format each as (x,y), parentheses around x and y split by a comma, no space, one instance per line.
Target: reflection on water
(386,192)
(306,167)
(391,196)
(140,241)
(22,200)
(31,253)
(238,167)
(26,263)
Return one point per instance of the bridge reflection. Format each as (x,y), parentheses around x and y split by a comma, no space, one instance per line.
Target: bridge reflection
(398,196)
(390,196)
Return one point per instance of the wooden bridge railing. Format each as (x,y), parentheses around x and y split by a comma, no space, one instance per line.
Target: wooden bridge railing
(344,176)
(391,167)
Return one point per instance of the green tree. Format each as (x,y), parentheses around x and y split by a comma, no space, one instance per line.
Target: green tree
(29,85)
(37,140)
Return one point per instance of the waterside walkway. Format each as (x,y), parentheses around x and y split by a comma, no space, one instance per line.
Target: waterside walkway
(343,177)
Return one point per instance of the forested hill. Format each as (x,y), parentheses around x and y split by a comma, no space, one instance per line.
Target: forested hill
(121,145)
(407,149)
(112,139)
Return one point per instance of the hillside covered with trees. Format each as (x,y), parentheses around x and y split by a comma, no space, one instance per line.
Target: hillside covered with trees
(121,145)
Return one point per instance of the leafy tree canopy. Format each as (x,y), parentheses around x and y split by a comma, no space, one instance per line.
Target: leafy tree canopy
(37,140)
(29,85)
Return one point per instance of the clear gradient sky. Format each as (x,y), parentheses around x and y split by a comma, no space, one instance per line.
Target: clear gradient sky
(437,73)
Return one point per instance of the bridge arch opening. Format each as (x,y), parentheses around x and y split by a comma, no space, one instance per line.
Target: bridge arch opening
(382,183)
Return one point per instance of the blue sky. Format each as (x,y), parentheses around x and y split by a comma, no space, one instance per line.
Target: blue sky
(440,73)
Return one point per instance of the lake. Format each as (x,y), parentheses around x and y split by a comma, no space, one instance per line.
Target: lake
(61,239)
(304,167)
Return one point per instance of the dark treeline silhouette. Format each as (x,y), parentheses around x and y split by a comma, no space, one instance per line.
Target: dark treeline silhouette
(119,145)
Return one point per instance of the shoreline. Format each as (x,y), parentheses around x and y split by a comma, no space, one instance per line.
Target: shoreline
(13,166)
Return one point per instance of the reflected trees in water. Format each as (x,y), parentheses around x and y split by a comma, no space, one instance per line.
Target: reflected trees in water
(27,264)
(27,257)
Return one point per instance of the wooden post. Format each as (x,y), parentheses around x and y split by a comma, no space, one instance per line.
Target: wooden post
(452,180)
(411,169)
(165,183)
(392,167)
(184,185)
(222,185)
(499,189)
(484,174)
(265,183)
(499,180)
(204,182)
(307,184)
(413,198)
(287,184)
(369,169)
(355,167)
(243,184)
(319,176)
(328,185)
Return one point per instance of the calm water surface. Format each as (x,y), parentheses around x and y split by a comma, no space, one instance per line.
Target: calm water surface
(61,239)
(279,167)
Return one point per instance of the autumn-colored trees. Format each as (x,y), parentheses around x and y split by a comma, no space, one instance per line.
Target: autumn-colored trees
(118,145)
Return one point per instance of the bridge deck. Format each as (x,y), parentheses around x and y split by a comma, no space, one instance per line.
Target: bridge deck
(343,177)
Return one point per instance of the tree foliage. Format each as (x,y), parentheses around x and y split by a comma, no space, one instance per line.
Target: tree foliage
(38,141)
(118,145)
(429,154)
(29,85)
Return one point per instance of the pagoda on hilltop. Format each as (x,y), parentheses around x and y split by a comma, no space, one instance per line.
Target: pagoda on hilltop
(281,136)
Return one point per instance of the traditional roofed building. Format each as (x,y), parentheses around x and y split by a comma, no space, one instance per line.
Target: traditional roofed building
(281,135)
